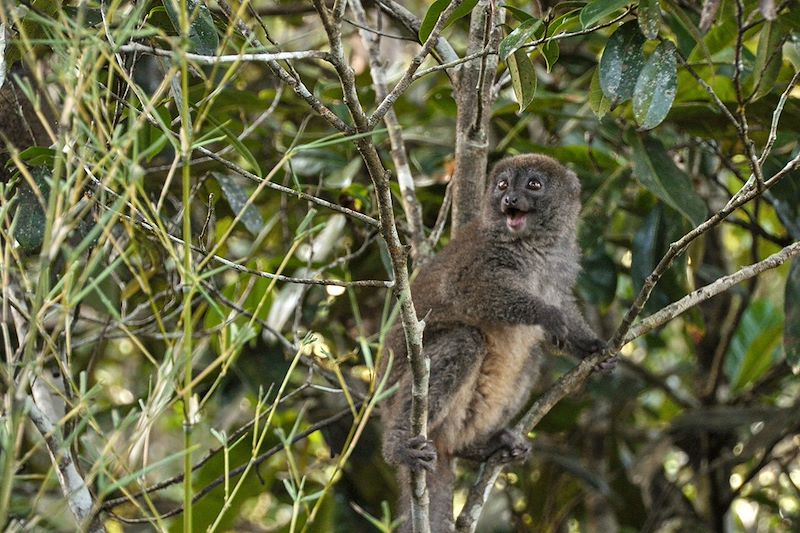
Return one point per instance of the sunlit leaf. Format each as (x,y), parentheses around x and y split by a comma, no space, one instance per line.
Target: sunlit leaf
(755,345)
(657,172)
(521,35)
(202,33)
(523,78)
(436,9)
(597,100)
(597,9)
(649,17)
(791,310)
(621,63)
(656,87)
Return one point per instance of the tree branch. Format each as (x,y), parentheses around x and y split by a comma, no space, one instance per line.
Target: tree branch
(411,206)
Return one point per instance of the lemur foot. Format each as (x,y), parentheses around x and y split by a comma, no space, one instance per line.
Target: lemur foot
(512,447)
(418,453)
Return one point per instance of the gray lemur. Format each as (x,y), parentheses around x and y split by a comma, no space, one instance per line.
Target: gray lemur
(494,297)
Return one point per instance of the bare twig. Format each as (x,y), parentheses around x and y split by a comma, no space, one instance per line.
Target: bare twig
(387,103)
(411,205)
(232,58)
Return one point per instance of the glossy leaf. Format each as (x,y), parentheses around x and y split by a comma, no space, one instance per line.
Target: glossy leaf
(791,310)
(237,200)
(521,35)
(769,58)
(436,9)
(202,33)
(621,63)
(523,78)
(519,14)
(755,345)
(649,17)
(656,87)
(598,9)
(656,171)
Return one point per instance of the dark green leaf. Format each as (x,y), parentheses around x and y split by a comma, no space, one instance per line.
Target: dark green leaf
(791,310)
(656,87)
(649,18)
(621,63)
(769,58)
(650,243)
(521,35)
(656,171)
(523,78)
(30,219)
(237,200)
(519,14)
(202,33)
(597,9)
(755,345)
(597,283)
(436,9)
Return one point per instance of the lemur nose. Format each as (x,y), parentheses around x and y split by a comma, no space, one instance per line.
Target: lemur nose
(510,200)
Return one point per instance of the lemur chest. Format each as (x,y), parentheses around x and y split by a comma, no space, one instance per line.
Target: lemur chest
(497,388)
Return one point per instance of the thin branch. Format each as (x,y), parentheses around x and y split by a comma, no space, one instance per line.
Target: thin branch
(567,35)
(110,504)
(705,293)
(405,81)
(412,24)
(232,58)
(411,206)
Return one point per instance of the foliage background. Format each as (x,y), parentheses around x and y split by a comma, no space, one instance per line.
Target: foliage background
(697,430)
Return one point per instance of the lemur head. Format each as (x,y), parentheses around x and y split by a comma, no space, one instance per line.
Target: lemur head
(532,197)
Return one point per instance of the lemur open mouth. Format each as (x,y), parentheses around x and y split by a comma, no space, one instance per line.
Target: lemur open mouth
(515,218)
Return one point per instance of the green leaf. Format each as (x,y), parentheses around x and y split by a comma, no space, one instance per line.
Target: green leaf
(769,58)
(649,18)
(550,52)
(519,14)
(30,218)
(650,242)
(621,63)
(656,87)
(521,35)
(436,9)
(597,100)
(523,78)
(791,310)
(656,171)
(237,200)
(755,345)
(598,9)
(202,33)
(597,283)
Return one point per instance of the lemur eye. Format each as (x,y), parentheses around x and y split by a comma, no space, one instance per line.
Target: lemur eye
(534,184)
(502,185)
